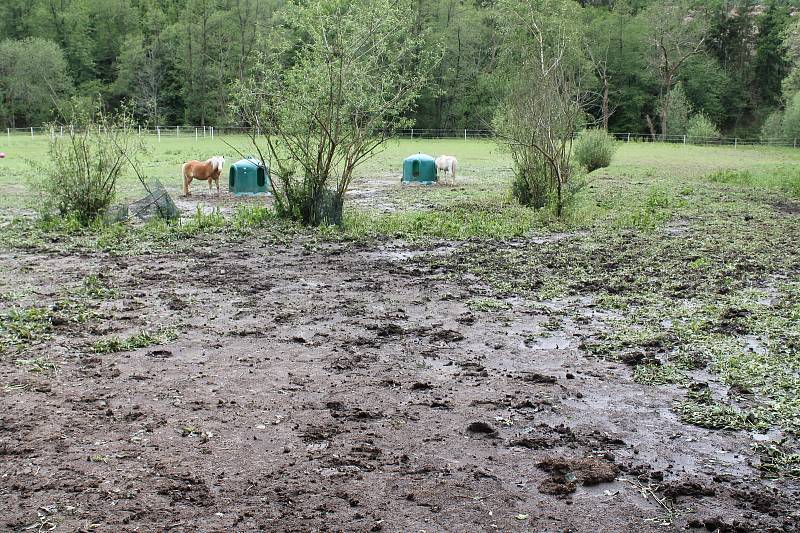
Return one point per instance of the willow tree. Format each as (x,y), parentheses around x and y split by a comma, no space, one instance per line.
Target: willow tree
(340,77)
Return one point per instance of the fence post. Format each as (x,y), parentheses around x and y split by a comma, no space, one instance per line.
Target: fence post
(177,131)
(212,132)
(735,142)
(8,132)
(204,131)
(684,139)
(629,138)
(465,134)
(31,132)
(62,131)
(158,131)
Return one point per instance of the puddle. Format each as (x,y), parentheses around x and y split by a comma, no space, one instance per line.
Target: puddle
(554,342)
(397,252)
(754,344)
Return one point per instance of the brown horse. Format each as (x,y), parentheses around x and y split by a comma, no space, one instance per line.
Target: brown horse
(199,170)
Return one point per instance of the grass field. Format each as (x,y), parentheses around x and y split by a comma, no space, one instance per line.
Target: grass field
(653,332)
(484,172)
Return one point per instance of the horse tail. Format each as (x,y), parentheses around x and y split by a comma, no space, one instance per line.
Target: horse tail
(453,163)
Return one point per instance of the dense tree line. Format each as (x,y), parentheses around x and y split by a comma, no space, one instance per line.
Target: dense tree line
(654,64)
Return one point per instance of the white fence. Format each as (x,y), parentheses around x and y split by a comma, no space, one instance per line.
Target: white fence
(210,132)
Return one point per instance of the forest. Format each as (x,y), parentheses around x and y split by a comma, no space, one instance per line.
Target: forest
(174,61)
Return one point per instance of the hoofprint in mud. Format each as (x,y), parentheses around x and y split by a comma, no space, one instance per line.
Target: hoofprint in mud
(344,389)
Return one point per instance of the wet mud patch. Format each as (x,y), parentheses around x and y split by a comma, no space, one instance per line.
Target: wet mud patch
(323,390)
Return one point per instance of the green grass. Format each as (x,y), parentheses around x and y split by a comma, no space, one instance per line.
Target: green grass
(658,374)
(776,460)
(785,178)
(487,304)
(483,183)
(38,365)
(143,339)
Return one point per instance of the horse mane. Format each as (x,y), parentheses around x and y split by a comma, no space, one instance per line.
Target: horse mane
(216,162)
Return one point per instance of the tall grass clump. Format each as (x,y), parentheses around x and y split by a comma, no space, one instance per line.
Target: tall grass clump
(79,180)
(594,149)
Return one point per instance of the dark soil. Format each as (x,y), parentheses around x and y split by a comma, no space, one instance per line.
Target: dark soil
(335,390)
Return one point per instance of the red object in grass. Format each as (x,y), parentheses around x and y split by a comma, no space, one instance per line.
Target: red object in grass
(2,155)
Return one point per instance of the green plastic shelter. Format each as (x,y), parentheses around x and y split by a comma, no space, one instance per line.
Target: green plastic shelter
(248,176)
(419,168)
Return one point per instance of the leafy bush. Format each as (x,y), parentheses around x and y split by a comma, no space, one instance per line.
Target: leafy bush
(701,129)
(679,110)
(532,184)
(81,178)
(594,149)
(772,127)
(791,118)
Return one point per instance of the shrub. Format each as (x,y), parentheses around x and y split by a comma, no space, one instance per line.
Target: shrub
(679,110)
(773,127)
(594,149)
(791,118)
(701,129)
(532,184)
(81,179)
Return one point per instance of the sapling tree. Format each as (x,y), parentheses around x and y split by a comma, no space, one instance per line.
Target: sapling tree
(545,98)
(674,35)
(339,77)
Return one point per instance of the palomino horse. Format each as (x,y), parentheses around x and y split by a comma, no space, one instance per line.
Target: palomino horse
(447,163)
(199,170)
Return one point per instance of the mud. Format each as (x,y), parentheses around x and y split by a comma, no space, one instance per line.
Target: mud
(340,390)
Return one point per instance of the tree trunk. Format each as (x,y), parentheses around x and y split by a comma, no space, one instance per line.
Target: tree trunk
(650,126)
(606,114)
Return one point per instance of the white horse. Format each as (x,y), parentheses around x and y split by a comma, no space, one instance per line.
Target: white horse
(447,163)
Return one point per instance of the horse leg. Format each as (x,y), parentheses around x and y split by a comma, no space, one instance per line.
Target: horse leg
(187,180)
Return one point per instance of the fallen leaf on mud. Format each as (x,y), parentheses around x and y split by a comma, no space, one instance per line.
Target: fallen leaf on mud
(521,516)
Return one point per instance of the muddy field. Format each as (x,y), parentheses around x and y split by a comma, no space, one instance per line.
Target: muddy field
(343,387)
(450,362)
